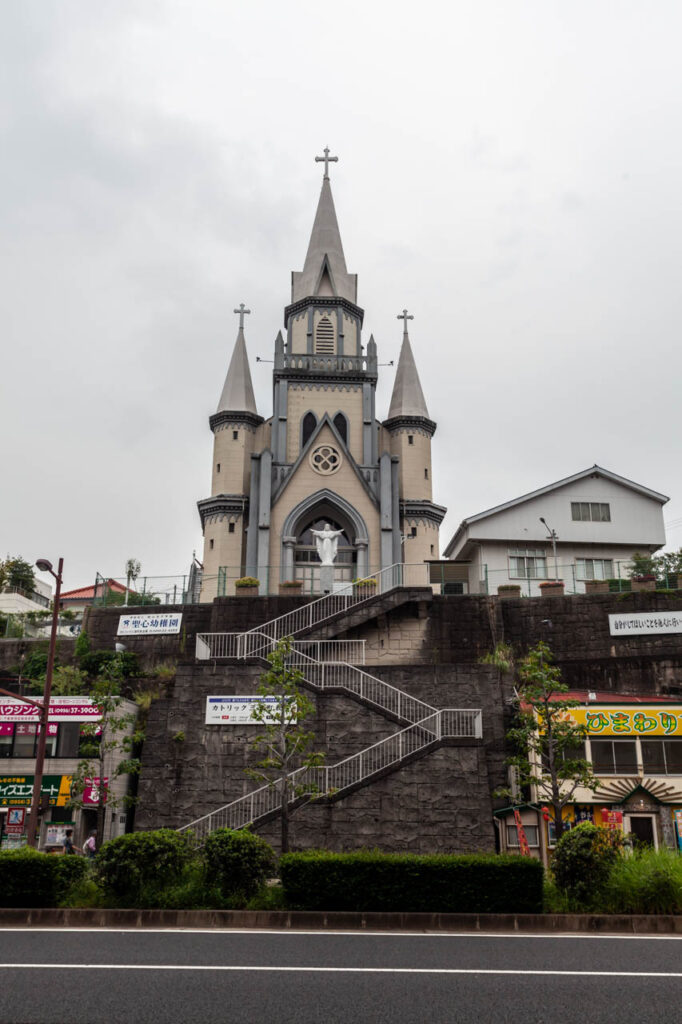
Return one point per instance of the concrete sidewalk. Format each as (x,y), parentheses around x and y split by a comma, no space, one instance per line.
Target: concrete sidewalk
(341,921)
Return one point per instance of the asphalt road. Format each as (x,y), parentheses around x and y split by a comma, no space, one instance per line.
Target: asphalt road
(78,976)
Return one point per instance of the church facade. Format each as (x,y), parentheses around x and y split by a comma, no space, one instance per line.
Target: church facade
(323,457)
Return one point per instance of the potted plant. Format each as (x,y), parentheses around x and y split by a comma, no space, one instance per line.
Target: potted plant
(645,581)
(552,588)
(367,586)
(509,590)
(247,586)
(291,587)
(597,586)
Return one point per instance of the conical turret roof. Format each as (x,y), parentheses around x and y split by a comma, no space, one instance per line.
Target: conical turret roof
(407,398)
(237,395)
(324,271)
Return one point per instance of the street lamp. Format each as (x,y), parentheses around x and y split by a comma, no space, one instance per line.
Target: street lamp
(552,534)
(44,566)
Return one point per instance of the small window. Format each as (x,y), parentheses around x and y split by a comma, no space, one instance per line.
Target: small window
(230,528)
(68,739)
(217,467)
(6,737)
(432,549)
(341,424)
(590,512)
(309,424)
(527,564)
(513,835)
(413,531)
(324,336)
(614,757)
(235,435)
(410,438)
(594,568)
(662,757)
(25,740)
(210,544)
(426,474)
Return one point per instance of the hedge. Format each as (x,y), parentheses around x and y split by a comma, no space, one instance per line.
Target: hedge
(441,883)
(134,868)
(238,861)
(32,879)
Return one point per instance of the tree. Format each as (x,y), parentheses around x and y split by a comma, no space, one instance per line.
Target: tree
(106,748)
(17,572)
(285,743)
(133,568)
(549,742)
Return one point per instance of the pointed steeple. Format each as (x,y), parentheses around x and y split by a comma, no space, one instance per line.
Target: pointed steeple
(324,271)
(407,398)
(237,394)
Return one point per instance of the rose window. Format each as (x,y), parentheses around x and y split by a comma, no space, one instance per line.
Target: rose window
(325,459)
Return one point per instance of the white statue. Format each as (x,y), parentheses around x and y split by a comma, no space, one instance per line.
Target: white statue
(326,542)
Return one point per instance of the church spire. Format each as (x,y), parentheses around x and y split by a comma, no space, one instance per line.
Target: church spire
(407,398)
(237,394)
(324,271)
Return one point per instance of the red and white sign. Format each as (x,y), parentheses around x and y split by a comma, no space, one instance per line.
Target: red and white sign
(91,792)
(14,825)
(611,819)
(62,709)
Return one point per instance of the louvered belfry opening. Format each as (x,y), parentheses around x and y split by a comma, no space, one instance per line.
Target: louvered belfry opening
(324,336)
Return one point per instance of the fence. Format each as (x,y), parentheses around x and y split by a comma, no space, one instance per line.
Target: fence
(614,574)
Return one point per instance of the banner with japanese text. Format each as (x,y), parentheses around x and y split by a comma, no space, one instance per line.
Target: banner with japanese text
(629,720)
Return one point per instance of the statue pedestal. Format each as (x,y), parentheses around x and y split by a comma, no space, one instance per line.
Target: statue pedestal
(327,579)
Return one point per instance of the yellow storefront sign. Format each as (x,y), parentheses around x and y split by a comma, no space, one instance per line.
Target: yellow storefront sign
(629,720)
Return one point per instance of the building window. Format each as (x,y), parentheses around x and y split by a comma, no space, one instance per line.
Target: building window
(325,459)
(217,467)
(590,512)
(413,531)
(324,336)
(527,564)
(309,424)
(513,835)
(341,424)
(235,435)
(594,568)
(432,549)
(230,528)
(426,474)
(210,544)
(68,739)
(662,757)
(614,757)
(410,438)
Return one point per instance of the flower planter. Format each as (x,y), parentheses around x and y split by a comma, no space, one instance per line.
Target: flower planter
(246,591)
(552,589)
(638,585)
(596,586)
(291,589)
(509,590)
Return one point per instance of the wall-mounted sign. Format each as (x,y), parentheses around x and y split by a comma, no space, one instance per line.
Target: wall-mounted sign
(644,623)
(239,710)
(611,819)
(149,625)
(17,790)
(628,719)
(62,709)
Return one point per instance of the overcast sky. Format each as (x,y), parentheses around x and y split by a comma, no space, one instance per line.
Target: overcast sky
(508,171)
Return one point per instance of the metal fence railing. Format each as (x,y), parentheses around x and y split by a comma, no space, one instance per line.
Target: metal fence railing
(579,576)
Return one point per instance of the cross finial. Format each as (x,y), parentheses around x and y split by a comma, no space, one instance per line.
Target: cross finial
(404,316)
(242,311)
(326,160)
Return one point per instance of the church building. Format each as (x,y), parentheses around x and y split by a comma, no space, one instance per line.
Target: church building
(323,457)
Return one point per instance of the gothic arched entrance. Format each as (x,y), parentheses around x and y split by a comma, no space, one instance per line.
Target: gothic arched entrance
(299,552)
(307,562)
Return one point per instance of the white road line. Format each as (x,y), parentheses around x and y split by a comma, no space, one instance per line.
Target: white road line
(338,970)
(545,936)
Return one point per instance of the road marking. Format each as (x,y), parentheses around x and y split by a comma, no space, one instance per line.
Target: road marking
(338,970)
(545,936)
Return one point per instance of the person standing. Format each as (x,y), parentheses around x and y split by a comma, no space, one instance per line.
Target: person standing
(68,842)
(90,846)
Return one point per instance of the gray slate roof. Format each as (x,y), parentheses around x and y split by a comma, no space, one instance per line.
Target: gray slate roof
(325,253)
(238,393)
(407,398)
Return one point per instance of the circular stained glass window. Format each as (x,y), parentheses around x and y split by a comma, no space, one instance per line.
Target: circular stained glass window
(325,459)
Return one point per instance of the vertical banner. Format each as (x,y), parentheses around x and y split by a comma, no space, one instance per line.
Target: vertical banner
(521,833)
(678,823)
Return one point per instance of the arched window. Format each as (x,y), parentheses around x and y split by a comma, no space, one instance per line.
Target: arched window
(324,336)
(309,424)
(341,424)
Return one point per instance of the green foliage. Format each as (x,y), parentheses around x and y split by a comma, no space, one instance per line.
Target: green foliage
(648,882)
(17,572)
(135,869)
(96,662)
(82,646)
(443,883)
(165,672)
(68,681)
(32,879)
(239,862)
(247,581)
(269,897)
(35,666)
(583,860)
(642,566)
(502,657)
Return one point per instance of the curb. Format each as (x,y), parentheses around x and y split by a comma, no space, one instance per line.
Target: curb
(299,920)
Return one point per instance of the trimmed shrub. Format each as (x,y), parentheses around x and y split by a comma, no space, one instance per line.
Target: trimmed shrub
(442,883)
(648,882)
(135,868)
(583,860)
(238,862)
(32,879)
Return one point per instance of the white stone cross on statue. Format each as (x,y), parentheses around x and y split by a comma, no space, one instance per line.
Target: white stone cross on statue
(404,316)
(326,160)
(242,311)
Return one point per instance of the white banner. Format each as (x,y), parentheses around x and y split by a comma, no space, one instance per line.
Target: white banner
(644,623)
(148,625)
(62,709)
(238,710)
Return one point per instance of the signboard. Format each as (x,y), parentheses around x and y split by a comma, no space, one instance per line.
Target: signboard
(90,795)
(629,720)
(239,710)
(645,623)
(521,833)
(149,625)
(13,842)
(17,790)
(56,834)
(611,819)
(14,825)
(62,709)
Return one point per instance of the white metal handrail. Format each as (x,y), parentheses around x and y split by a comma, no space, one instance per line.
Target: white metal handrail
(333,780)
(257,645)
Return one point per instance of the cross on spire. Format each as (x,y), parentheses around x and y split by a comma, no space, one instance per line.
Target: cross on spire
(326,160)
(242,311)
(404,316)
